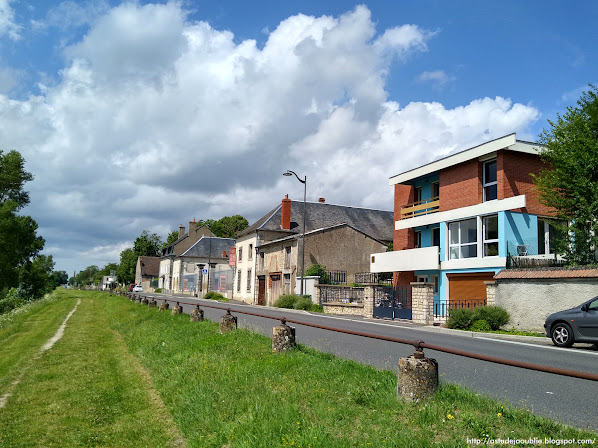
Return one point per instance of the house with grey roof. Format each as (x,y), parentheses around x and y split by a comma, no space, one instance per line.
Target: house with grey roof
(269,252)
(173,251)
(204,267)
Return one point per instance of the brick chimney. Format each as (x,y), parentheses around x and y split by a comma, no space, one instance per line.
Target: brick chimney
(181,230)
(192,227)
(285,215)
(322,200)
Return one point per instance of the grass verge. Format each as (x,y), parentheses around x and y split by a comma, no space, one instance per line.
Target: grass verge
(87,390)
(95,387)
(231,391)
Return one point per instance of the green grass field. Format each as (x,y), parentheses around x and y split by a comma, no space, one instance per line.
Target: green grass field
(125,375)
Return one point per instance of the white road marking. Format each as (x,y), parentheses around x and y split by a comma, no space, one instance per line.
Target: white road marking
(548,347)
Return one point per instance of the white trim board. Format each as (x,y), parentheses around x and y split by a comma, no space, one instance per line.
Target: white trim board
(507,142)
(485,208)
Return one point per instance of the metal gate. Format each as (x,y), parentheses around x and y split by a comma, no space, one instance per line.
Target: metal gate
(392,302)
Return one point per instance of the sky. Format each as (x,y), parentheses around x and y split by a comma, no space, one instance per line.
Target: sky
(142,115)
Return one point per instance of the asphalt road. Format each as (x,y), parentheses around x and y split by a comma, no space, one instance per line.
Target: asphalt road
(569,400)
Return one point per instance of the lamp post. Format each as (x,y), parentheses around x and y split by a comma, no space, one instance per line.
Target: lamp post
(304,182)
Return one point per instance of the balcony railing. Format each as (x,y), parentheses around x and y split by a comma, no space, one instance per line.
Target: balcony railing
(419,208)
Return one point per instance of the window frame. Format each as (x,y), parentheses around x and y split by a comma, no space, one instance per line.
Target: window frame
(486,184)
(486,241)
(249,280)
(238,280)
(460,244)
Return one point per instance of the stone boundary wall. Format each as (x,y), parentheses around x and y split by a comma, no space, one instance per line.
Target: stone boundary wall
(530,301)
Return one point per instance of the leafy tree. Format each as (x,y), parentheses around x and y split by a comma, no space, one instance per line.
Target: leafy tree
(171,238)
(59,278)
(126,268)
(147,245)
(35,276)
(19,242)
(570,185)
(226,227)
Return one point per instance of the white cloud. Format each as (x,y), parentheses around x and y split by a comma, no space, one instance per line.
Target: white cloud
(438,78)
(69,14)
(8,25)
(157,120)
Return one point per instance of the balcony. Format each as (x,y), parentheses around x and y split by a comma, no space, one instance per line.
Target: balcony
(406,260)
(420,208)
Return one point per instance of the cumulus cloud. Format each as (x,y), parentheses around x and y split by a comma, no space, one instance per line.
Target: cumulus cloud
(156,120)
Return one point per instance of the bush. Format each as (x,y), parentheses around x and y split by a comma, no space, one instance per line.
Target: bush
(303,303)
(460,318)
(494,315)
(287,301)
(316,308)
(211,295)
(481,326)
(11,300)
(158,290)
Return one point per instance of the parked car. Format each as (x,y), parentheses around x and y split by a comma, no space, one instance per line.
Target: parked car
(131,286)
(138,288)
(579,324)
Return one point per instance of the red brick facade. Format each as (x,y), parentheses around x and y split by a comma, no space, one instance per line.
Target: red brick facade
(513,171)
(461,185)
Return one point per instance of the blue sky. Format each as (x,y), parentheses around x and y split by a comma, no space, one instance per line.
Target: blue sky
(142,115)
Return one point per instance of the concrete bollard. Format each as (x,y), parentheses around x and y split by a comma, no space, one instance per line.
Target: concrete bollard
(144,301)
(152,303)
(283,337)
(228,322)
(177,309)
(418,377)
(164,306)
(197,315)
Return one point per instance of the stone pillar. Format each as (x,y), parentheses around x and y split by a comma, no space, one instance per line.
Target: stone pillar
(144,301)
(152,303)
(228,322)
(164,306)
(197,315)
(369,294)
(283,338)
(177,309)
(422,303)
(417,378)
(490,293)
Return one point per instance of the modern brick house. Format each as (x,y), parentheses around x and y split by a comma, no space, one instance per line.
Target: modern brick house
(459,218)
(339,237)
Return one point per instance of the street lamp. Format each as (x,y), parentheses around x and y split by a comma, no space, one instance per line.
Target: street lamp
(304,182)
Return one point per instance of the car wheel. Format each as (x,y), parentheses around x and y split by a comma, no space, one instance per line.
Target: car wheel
(562,335)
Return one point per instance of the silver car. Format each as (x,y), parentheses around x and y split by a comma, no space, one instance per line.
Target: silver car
(579,324)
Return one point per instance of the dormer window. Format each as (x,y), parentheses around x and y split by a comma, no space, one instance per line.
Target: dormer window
(489,181)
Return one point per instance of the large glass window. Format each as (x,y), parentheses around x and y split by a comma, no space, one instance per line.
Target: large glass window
(489,181)
(548,237)
(463,238)
(490,236)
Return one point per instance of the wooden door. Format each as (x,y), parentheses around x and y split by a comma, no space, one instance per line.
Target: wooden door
(261,290)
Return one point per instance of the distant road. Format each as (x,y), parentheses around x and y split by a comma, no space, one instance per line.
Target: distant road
(569,400)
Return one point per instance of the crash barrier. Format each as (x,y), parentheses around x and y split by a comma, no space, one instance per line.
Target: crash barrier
(417,344)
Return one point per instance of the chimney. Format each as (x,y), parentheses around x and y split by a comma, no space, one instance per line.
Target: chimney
(285,215)
(223,254)
(322,200)
(192,227)
(181,230)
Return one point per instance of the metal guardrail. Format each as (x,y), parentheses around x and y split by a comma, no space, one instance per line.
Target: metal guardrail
(417,344)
